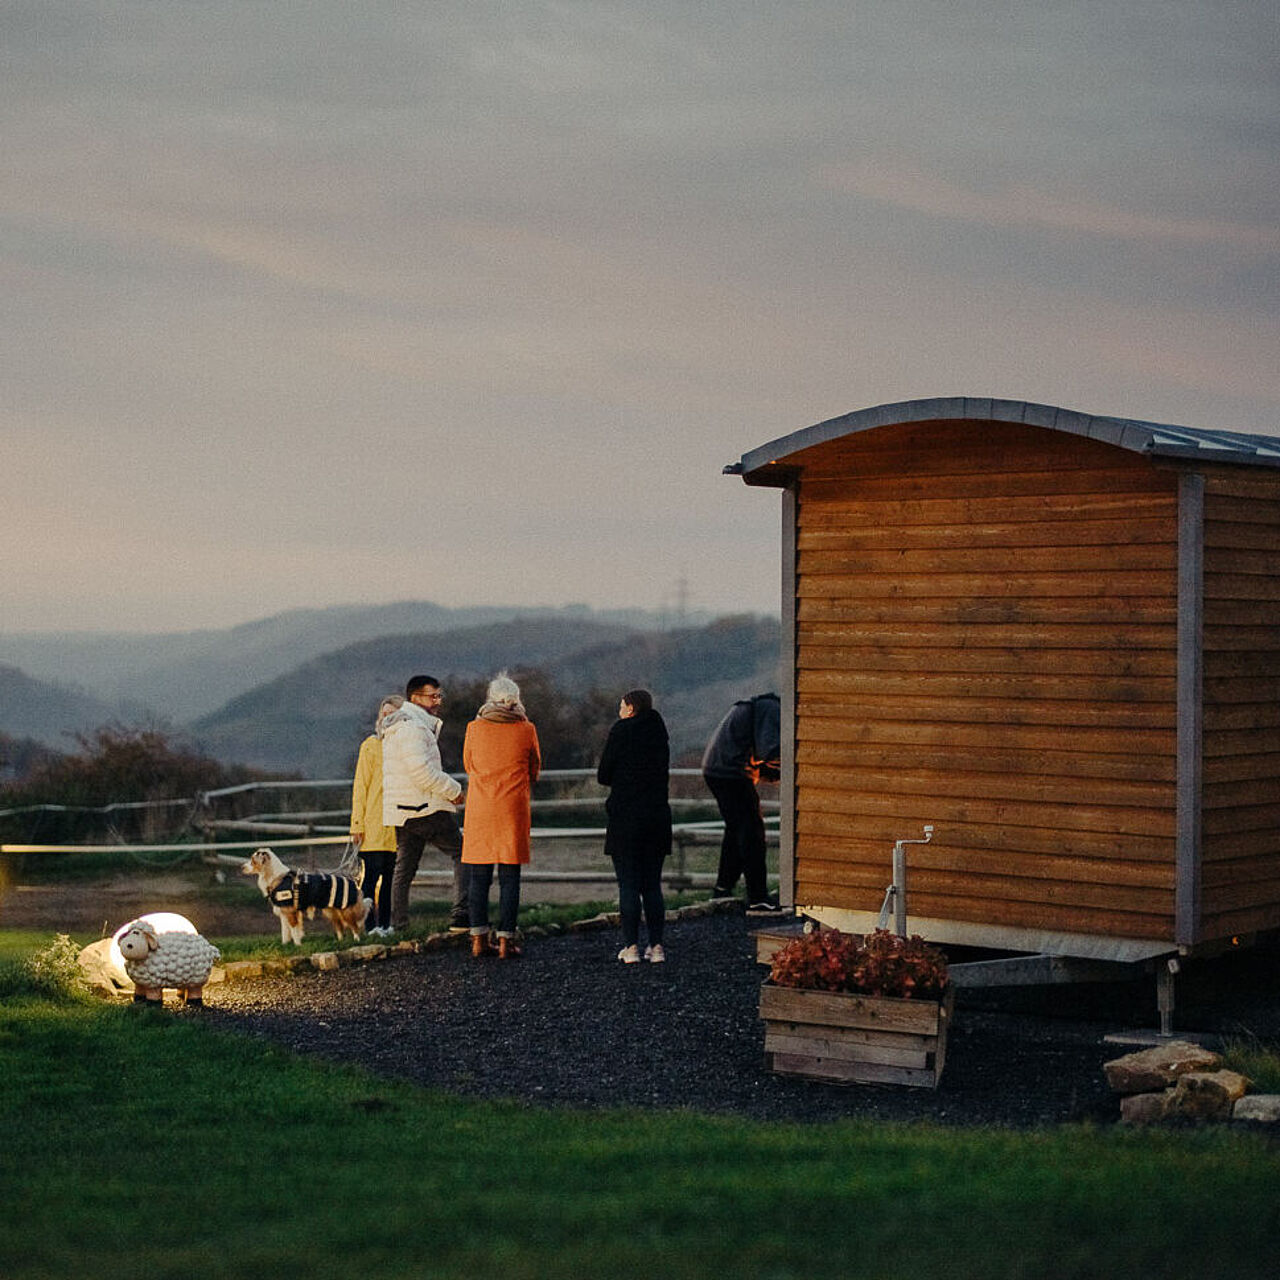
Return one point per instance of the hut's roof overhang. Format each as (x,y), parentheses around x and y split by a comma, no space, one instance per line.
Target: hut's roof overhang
(767,465)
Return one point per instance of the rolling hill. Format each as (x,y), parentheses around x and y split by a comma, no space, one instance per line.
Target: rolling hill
(51,714)
(187,675)
(312,719)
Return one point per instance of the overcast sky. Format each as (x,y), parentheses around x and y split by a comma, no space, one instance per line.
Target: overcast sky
(321,303)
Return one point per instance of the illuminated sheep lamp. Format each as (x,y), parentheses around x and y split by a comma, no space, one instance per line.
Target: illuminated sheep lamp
(163,949)
(161,921)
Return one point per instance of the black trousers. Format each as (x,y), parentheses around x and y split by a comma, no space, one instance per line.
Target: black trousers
(379,868)
(640,890)
(742,851)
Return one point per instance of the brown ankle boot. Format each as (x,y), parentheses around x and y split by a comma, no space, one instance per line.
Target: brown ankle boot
(507,949)
(480,945)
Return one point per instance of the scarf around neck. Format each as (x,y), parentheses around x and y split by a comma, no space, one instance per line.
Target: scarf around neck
(502,712)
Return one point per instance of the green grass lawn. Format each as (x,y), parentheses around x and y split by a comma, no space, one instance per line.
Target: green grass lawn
(145,1143)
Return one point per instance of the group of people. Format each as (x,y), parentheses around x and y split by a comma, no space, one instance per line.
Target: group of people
(403,800)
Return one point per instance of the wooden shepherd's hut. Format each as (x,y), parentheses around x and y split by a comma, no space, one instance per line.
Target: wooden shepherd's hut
(1055,638)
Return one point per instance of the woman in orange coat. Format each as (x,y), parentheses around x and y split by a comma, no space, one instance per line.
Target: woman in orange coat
(501,758)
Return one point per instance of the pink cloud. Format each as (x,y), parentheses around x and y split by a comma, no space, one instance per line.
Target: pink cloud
(1025,206)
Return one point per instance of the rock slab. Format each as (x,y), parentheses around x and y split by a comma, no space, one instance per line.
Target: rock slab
(1259,1108)
(1207,1095)
(1157,1068)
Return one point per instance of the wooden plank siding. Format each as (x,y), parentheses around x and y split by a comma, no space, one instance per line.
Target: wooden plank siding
(1240,883)
(985,635)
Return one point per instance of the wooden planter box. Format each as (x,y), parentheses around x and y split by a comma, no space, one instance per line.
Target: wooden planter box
(853,1039)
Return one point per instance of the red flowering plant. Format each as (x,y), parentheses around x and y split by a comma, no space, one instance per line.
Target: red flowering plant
(881,964)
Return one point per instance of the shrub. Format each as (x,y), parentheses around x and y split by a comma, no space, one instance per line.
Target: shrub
(881,964)
(55,970)
(1253,1057)
(96,792)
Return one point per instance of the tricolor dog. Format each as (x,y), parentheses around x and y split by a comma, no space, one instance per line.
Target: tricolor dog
(293,893)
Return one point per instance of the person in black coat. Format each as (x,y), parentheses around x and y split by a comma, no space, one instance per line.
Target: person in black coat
(745,747)
(634,766)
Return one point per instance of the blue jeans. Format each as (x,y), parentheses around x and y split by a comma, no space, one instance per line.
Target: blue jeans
(481,877)
(640,888)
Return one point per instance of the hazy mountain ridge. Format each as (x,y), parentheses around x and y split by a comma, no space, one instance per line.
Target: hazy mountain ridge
(49,714)
(728,649)
(313,719)
(183,676)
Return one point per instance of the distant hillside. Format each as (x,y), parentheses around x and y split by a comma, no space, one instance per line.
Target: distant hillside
(313,719)
(695,674)
(184,676)
(47,713)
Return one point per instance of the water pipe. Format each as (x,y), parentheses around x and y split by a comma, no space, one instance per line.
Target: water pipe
(898,889)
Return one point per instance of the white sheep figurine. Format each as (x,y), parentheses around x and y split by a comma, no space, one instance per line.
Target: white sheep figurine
(155,960)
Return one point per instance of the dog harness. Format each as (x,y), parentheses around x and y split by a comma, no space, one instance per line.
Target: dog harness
(314,890)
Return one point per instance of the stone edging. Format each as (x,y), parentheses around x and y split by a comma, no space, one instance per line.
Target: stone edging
(369,953)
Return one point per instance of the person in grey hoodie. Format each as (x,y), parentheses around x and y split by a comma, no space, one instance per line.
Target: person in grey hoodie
(419,799)
(746,746)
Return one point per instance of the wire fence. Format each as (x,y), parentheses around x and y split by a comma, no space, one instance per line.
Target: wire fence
(217,825)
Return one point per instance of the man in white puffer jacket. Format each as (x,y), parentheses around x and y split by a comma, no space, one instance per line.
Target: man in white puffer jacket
(419,799)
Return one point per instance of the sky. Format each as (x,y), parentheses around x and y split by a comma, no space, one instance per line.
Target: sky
(330,303)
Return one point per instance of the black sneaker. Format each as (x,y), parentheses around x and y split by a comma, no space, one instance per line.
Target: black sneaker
(718,892)
(766,907)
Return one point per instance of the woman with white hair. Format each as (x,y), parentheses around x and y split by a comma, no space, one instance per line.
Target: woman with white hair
(377,843)
(501,757)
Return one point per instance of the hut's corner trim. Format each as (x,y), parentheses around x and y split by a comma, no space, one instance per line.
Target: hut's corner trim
(1190,685)
(787,684)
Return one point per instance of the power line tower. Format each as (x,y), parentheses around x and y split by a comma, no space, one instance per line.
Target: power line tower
(682,600)
(675,606)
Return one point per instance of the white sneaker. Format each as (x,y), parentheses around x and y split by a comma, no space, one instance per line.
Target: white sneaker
(629,955)
(655,954)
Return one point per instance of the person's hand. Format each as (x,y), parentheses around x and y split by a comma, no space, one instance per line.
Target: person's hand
(357,838)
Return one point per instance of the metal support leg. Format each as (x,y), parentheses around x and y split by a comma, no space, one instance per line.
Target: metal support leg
(1164,995)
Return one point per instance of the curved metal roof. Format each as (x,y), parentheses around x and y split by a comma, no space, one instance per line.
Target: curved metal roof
(1153,438)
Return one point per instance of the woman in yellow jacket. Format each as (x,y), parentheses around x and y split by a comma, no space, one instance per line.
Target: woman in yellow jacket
(377,844)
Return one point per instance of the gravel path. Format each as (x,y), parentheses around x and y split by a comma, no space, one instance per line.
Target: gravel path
(568,1024)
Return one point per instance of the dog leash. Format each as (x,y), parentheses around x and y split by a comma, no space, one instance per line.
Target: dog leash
(349,863)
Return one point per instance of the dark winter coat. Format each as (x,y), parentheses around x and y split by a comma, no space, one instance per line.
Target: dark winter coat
(634,766)
(747,742)
(314,891)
